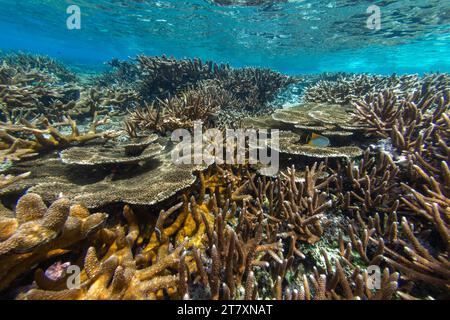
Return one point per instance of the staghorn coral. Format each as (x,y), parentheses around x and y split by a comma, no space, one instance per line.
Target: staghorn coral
(122,73)
(42,63)
(42,136)
(347,89)
(385,240)
(101,100)
(29,93)
(370,186)
(378,190)
(178,112)
(254,87)
(35,233)
(162,77)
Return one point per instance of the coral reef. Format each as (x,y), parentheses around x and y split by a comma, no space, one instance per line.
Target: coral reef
(178,112)
(162,77)
(27,61)
(348,88)
(316,230)
(28,139)
(109,177)
(34,233)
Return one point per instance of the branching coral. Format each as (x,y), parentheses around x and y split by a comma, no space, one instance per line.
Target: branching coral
(43,136)
(46,64)
(36,233)
(181,111)
(346,89)
(114,275)
(29,93)
(254,87)
(100,101)
(411,184)
(369,186)
(163,77)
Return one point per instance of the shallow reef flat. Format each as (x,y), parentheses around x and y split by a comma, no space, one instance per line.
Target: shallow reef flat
(87,183)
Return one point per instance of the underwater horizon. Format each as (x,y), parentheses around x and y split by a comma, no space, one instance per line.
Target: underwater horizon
(292,37)
(260,151)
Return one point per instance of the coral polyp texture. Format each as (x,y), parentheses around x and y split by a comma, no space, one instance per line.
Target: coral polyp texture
(89,182)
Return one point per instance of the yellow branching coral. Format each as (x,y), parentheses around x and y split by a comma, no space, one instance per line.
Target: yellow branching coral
(115,274)
(35,233)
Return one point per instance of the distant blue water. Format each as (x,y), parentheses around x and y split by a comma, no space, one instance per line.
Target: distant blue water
(295,37)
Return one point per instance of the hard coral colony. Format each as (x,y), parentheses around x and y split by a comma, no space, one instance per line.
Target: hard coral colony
(373,191)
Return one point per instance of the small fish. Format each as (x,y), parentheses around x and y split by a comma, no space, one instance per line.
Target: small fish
(318,141)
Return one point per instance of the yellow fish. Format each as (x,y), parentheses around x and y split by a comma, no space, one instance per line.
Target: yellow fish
(318,141)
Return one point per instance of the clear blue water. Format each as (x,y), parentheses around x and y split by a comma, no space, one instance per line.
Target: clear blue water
(295,37)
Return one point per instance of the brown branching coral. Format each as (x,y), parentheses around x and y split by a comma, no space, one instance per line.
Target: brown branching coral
(336,285)
(123,74)
(45,137)
(201,104)
(347,89)
(386,240)
(42,63)
(100,100)
(29,93)
(254,87)
(35,233)
(370,186)
(163,77)
(411,184)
